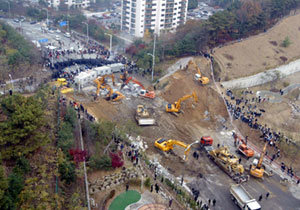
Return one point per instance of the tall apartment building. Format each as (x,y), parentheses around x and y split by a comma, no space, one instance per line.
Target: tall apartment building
(152,15)
(70,3)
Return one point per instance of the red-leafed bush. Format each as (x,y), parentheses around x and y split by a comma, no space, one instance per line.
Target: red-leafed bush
(116,159)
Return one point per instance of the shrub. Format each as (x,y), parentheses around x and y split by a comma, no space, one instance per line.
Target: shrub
(285,84)
(67,172)
(101,162)
(147,182)
(286,42)
(116,160)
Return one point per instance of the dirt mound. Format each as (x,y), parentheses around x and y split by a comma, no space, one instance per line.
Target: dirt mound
(198,117)
(261,52)
(101,109)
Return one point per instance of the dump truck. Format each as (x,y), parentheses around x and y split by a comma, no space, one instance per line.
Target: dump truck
(142,116)
(242,198)
(229,163)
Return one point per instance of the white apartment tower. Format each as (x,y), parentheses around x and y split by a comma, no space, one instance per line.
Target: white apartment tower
(152,15)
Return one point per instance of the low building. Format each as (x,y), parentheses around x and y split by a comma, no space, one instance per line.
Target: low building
(70,3)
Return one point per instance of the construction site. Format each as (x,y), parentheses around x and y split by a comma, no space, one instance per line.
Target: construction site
(181,117)
(217,130)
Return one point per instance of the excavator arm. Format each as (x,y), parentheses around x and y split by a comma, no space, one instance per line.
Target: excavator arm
(203,80)
(98,83)
(187,150)
(259,164)
(193,95)
(144,92)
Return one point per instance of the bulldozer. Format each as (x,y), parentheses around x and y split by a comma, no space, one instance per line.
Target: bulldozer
(175,108)
(167,145)
(144,93)
(142,116)
(257,170)
(198,76)
(228,162)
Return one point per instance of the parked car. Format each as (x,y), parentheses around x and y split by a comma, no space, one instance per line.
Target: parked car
(67,34)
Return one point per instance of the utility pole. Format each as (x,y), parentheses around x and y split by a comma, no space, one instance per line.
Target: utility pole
(153,57)
(110,42)
(11,81)
(153,61)
(87,31)
(8,9)
(47,21)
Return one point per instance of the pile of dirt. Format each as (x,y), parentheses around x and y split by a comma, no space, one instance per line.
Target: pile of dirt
(101,109)
(198,117)
(261,52)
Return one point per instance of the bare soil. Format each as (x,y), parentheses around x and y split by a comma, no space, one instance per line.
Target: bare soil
(261,52)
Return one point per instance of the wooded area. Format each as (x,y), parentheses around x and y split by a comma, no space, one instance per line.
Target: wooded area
(241,19)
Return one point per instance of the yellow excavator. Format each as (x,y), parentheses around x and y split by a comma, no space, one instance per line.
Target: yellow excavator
(167,145)
(63,84)
(198,77)
(100,81)
(124,76)
(257,170)
(113,96)
(174,108)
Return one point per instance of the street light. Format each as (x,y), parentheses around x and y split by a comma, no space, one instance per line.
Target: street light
(47,21)
(87,31)
(110,42)
(153,56)
(8,9)
(12,84)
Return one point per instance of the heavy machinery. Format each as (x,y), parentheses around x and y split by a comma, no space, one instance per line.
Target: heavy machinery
(229,163)
(257,169)
(61,82)
(198,76)
(63,85)
(174,108)
(124,76)
(113,96)
(206,143)
(167,145)
(142,116)
(245,150)
(242,198)
(145,93)
(100,81)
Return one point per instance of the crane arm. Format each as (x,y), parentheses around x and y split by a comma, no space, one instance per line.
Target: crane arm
(98,83)
(134,81)
(188,148)
(262,156)
(128,80)
(194,95)
(179,143)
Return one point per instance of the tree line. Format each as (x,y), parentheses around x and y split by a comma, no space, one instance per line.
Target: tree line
(14,49)
(240,19)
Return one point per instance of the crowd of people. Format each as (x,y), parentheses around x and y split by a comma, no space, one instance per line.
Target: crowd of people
(246,109)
